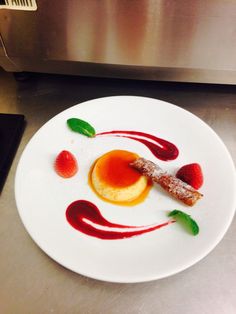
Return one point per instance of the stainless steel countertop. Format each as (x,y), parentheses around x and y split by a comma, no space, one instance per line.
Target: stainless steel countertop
(31,282)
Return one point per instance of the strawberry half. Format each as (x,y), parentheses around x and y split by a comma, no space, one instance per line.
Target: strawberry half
(191,174)
(65,164)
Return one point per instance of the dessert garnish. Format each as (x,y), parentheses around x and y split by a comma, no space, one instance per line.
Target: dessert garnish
(65,164)
(185,220)
(160,148)
(174,186)
(191,174)
(81,126)
(85,217)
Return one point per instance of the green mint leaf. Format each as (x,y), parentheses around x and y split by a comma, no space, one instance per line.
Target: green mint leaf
(81,126)
(186,220)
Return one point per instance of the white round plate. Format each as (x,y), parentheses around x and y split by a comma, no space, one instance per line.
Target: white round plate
(42,196)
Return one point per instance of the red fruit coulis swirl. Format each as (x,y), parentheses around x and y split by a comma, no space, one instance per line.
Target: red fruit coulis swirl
(160,148)
(85,217)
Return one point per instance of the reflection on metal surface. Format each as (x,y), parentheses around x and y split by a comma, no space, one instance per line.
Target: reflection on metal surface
(5,62)
(151,36)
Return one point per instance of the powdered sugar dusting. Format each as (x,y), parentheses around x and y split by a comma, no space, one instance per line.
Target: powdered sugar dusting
(170,183)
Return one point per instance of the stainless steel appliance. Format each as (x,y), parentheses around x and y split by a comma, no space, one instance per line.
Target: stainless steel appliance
(174,40)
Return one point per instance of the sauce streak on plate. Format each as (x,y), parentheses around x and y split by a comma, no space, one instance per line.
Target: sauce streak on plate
(85,217)
(161,149)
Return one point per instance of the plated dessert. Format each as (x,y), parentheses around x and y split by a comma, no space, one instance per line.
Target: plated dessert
(124,178)
(99,238)
(113,179)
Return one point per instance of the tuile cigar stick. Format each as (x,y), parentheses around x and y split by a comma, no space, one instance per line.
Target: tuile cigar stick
(174,186)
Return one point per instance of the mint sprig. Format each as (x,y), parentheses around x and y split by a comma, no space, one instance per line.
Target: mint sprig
(185,220)
(81,126)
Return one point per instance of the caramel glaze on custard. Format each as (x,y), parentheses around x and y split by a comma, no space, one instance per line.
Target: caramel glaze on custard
(114,180)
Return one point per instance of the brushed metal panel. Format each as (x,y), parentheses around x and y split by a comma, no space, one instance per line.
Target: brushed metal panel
(5,62)
(174,34)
